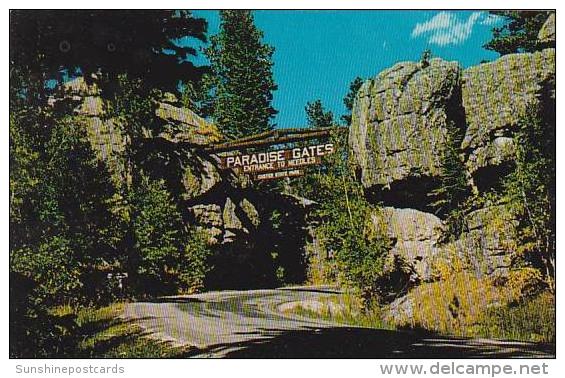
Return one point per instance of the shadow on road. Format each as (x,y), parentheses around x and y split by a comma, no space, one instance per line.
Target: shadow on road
(179,299)
(313,290)
(349,342)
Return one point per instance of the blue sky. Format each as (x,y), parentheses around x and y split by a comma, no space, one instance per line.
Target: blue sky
(318,53)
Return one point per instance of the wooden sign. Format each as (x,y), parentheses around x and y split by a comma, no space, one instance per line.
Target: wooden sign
(284,160)
(279,174)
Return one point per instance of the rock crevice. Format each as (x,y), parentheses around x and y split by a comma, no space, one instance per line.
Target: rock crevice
(399,135)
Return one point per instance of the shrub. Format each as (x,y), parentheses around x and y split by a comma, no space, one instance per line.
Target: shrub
(194,263)
(34,333)
(531,190)
(524,283)
(51,266)
(355,249)
(159,239)
(452,306)
(464,305)
(167,257)
(532,319)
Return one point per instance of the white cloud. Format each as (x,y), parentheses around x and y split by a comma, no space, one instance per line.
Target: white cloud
(491,19)
(445,28)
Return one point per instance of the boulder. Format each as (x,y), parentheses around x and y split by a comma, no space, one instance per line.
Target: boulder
(209,197)
(415,236)
(488,243)
(398,128)
(495,97)
(183,125)
(547,31)
(179,123)
(398,135)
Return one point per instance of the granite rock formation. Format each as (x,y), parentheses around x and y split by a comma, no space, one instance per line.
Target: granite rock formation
(398,128)
(211,198)
(397,136)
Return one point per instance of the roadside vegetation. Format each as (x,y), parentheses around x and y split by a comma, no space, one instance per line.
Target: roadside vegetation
(101,332)
(79,225)
(87,231)
(516,306)
(530,320)
(519,306)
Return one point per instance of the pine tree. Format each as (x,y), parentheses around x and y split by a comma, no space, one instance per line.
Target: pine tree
(143,43)
(317,116)
(241,84)
(58,193)
(453,187)
(531,190)
(519,33)
(349,99)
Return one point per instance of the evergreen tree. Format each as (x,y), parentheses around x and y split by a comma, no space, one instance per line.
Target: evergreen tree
(68,220)
(241,84)
(531,190)
(317,116)
(357,251)
(360,249)
(349,99)
(158,236)
(453,187)
(58,196)
(519,32)
(143,43)
(425,58)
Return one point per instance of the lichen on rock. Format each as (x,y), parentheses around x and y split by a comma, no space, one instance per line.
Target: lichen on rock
(399,122)
(398,137)
(174,154)
(415,237)
(547,31)
(496,96)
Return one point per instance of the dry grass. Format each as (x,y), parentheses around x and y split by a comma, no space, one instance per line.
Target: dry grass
(102,333)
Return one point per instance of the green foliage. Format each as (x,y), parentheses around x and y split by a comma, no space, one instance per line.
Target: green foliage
(24,176)
(453,188)
(349,99)
(77,190)
(143,43)
(354,246)
(530,320)
(87,332)
(58,210)
(194,262)
(158,233)
(426,56)
(60,228)
(163,255)
(70,223)
(167,256)
(34,331)
(30,131)
(346,309)
(316,115)
(132,106)
(52,266)
(360,260)
(531,190)
(102,333)
(241,83)
(519,32)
